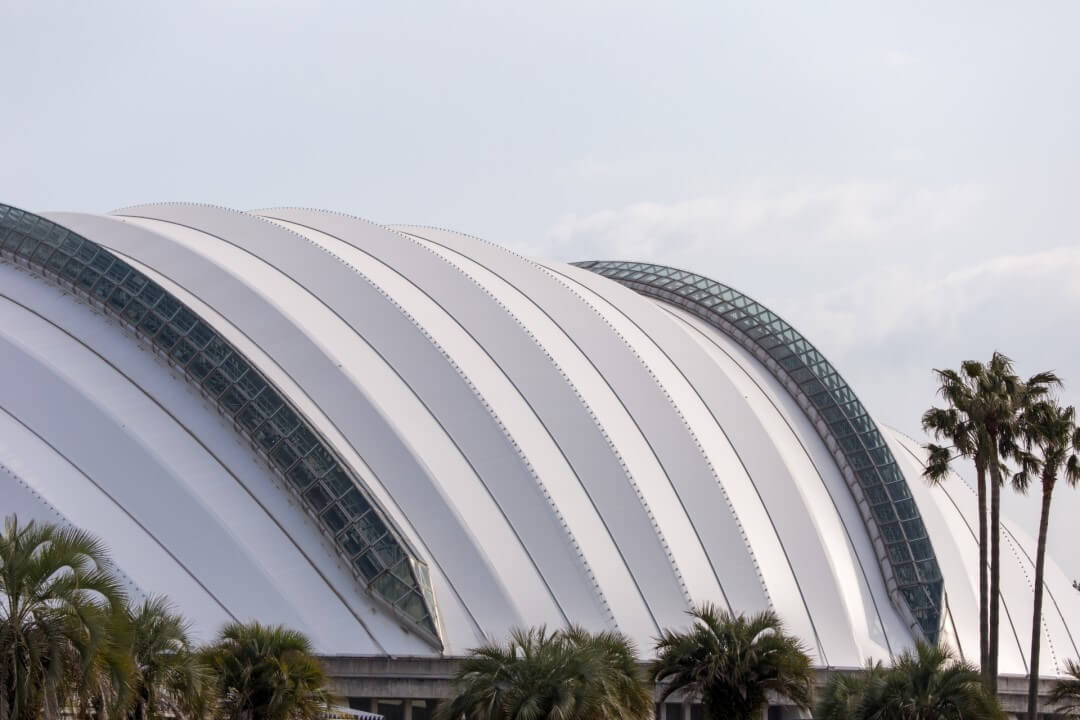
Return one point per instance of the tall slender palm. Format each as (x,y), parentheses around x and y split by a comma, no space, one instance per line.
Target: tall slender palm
(733,662)
(1050,429)
(924,684)
(58,600)
(170,679)
(267,672)
(1005,398)
(956,425)
(987,400)
(1066,694)
(567,674)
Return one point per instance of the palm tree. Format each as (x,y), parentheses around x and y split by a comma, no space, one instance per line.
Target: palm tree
(567,674)
(1005,397)
(59,601)
(845,693)
(956,425)
(733,662)
(619,685)
(1066,694)
(103,688)
(927,684)
(1051,429)
(985,401)
(170,679)
(267,672)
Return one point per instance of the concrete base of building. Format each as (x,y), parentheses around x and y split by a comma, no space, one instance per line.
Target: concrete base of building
(407,688)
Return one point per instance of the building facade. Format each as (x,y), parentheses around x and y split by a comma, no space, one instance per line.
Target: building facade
(405,440)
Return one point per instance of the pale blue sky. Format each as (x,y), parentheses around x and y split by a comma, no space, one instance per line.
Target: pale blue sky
(899,180)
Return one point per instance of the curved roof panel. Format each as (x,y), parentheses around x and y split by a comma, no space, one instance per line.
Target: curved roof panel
(905,552)
(288,396)
(258,410)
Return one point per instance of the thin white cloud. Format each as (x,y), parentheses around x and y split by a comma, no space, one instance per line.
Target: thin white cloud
(905,301)
(888,280)
(825,229)
(901,59)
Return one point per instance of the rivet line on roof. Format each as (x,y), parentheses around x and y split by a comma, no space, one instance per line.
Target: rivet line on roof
(686,425)
(588,409)
(572,540)
(63,520)
(723,490)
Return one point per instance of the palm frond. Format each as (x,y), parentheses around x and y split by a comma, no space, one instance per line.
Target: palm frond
(732,662)
(926,682)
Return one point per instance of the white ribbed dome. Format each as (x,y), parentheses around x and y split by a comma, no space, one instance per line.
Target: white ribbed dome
(501,441)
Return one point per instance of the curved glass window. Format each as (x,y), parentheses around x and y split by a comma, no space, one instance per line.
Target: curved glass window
(378,556)
(879,488)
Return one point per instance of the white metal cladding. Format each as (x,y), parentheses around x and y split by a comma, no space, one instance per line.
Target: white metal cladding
(784,492)
(817,480)
(429,372)
(686,466)
(552,446)
(273,560)
(240,392)
(594,463)
(317,376)
(658,495)
(905,551)
(951,510)
(495,555)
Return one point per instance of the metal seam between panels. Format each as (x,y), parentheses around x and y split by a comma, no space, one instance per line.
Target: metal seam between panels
(449,582)
(102,443)
(1019,547)
(554,507)
(1004,604)
(217,460)
(618,399)
(905,553)
(471,389)
(530,263)
(1046,587)
(533,410)
(4,469)
(971,531)
(952,621)
(734,449)
(258,410)
(1011,542)
(679,413)
(592,414)
(412,390)
(810,459)
(152,536)
(562,373)
(607,382)
(122,509)
(329,420)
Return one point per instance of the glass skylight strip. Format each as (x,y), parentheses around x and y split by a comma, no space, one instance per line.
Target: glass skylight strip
(904,553)
(329,490)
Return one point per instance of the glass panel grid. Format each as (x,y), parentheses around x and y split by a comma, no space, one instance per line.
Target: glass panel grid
(893,510)
(255,407)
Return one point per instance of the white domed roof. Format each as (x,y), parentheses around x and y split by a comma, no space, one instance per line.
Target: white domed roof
(404,440)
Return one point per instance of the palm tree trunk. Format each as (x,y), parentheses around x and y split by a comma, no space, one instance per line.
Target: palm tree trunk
(995,572)
(1036,613)
(984,590)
